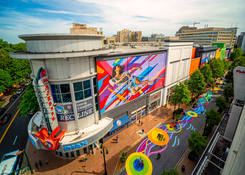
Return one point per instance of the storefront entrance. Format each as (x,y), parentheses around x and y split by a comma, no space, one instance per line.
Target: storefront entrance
(154,101)
(137,115)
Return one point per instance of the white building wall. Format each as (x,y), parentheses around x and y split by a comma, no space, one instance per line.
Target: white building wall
(178,64)
(239,83)
(67,45)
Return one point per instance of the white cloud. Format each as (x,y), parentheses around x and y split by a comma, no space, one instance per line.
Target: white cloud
(168,15)
(65,12)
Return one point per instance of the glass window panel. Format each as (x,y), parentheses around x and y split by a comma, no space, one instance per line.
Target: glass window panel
(87,93)
(55,89)
(65,88)
(78,86)
(79,95)
(95,81)
(86,84)
(95,90)
(57,98)
(66,97)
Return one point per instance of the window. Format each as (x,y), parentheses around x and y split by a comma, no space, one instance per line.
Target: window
(78,152)
(95,85)
(72,154)
(82,90)
(96,99)
(61,93)
(67,155)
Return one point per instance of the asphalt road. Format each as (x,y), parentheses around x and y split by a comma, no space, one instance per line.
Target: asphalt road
(16,136)
(174,151)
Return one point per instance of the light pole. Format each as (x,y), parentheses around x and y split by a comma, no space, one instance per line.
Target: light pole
(103,152)
(27,159)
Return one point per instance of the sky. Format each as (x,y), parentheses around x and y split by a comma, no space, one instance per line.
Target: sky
(149,16)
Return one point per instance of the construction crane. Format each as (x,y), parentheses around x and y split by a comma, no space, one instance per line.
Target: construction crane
(194,23)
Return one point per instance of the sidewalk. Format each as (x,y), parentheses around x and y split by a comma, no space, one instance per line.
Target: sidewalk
(128,139)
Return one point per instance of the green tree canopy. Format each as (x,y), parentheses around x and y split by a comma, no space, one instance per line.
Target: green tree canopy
(207,74)
(16,69)
(28,101)
(197,142)
(217,67)
(228,92)
(5,81)
(212,118)
(237,52)
(221,103)
(196,84)
(172,171)
(181,95)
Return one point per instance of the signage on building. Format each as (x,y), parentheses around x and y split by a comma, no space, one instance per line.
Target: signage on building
(240,71)
(85,108)
(65,113)
(48,136)
(75,146)
(46,99)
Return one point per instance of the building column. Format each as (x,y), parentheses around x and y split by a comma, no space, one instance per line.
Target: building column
(74,106)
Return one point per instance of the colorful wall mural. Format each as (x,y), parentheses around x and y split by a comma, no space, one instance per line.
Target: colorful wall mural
(121,80)
(194,65)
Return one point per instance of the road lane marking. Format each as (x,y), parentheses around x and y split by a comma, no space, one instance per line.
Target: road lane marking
(13,102)
(15,140)
(5,132)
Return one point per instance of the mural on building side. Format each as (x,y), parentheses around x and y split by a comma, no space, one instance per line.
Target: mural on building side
(121,80)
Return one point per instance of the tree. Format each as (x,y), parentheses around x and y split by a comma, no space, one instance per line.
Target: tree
(197,142)
(237,52)
(207,74)
(181,94)
(212,118)
(172,171)
(5,81)
(217,67)
(228,92)
(28,101)
(196,84)
(221,103)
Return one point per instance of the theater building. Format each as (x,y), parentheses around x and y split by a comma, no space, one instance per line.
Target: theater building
(86,91)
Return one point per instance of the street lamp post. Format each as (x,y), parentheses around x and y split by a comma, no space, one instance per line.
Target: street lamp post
(103,152)
(27,159)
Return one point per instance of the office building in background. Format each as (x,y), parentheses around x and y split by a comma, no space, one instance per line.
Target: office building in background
(208,35)
(241,41)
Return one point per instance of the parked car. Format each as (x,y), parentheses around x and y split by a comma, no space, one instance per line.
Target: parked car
(5,119)
(19,91)
(28,82)
(13,98)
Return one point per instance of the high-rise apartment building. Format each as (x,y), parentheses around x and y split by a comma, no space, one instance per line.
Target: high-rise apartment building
(126,35)
(83,29)
(208,35)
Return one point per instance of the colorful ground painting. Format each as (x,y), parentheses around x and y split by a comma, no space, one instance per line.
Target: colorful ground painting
(121,80)
(162,135)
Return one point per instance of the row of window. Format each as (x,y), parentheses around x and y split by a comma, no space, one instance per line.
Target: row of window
(82,90)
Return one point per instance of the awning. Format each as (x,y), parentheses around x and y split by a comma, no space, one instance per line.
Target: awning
(120,122)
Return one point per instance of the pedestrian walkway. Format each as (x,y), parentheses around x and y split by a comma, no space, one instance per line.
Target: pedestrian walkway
(128,139)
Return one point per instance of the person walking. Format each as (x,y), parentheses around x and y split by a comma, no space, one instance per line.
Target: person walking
(116,139)
(143,131)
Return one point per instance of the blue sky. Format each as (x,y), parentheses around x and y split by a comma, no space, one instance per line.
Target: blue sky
(150,16)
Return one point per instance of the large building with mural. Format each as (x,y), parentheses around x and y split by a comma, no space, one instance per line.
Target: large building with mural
(86,92)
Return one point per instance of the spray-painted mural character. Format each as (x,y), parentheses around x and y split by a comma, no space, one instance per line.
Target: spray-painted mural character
(122,80)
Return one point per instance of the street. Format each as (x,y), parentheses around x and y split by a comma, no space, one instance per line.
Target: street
(16,134)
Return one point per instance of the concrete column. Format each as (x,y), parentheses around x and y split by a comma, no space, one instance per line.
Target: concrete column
(74,106)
